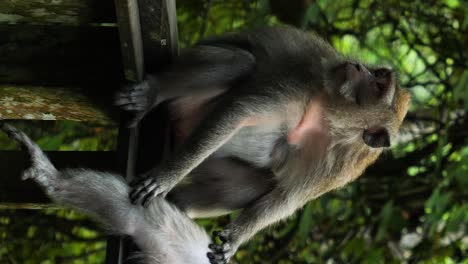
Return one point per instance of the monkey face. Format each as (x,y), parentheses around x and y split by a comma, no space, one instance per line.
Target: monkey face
(367,103)
(362,85)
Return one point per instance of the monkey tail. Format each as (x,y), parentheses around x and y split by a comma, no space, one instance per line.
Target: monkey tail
(41,165)
(162,231)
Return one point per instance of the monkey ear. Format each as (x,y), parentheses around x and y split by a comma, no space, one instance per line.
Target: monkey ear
(376,137)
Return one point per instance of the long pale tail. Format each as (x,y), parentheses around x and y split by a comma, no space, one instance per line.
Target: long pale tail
(164,233)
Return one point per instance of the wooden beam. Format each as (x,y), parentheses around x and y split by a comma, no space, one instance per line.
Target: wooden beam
(41,103)
(63,12)
(130,38)
(60,55)
(26,194)
(159,32)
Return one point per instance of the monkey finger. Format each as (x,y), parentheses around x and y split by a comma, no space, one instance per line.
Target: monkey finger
(141,188)
(132,107)
(146,200)
(121,100)
(149,192)
(137,93)
(135,196)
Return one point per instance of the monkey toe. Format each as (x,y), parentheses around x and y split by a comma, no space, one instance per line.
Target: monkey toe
(216,248)
(216,258)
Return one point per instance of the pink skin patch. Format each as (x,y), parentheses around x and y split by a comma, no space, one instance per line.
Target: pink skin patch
(311,125)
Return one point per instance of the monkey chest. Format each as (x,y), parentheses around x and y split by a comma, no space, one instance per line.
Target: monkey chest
(254,145)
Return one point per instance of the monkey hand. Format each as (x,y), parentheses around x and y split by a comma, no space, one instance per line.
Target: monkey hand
(138,98)
(222,253)
(144,189)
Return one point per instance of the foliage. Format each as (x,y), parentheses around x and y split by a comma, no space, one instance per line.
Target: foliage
(410,207)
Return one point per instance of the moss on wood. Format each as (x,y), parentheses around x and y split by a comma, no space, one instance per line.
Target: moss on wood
(67,12)
(39,103)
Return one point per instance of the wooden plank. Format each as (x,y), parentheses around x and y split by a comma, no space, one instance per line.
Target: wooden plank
(26,194)
(130,38)
(64,12)
(40,103)
(60,55)
(159,32)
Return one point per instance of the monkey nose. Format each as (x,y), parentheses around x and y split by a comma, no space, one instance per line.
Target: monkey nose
(376,137)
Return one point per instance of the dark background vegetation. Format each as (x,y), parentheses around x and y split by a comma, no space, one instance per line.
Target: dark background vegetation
(410,207)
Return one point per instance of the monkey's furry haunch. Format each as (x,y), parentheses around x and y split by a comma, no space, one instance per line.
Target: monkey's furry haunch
(264,121)
(163,232)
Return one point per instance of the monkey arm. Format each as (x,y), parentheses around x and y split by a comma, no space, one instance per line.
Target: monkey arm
(203,67)
(269,209)
(215,130)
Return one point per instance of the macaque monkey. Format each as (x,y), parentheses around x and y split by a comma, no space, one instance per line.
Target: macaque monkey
(163,232)
(264,121)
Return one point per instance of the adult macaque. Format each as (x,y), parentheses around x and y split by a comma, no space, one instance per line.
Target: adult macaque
(264,120)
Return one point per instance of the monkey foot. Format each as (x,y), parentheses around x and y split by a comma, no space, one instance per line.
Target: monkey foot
(145,189)
(137,98)
(220,253)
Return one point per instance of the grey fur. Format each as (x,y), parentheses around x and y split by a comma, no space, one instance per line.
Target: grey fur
(163,232)
(279,73)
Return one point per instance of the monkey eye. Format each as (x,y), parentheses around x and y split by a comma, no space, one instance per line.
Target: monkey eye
(376,137)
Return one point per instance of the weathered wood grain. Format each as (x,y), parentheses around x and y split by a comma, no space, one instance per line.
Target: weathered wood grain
(159,32)
(64,12)
(41,103)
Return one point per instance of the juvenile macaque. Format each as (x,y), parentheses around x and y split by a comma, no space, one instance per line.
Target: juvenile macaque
(264,121)
(163,232)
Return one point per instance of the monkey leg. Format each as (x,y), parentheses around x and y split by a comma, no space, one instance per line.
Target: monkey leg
(163,232)
(198,70)
(215,130)
(101,194)
(219,186)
